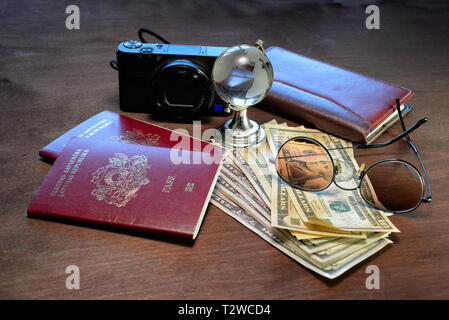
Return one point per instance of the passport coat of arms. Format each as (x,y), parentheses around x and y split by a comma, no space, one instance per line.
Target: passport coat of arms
(119,181)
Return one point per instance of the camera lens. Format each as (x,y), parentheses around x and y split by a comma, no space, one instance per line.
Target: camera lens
(181,90)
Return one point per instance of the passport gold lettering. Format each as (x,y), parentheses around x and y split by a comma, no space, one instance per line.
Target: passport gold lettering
(71,167)
(168,184)
(58,184)
(95,128)
(65,186)
(80,160)
(72,161)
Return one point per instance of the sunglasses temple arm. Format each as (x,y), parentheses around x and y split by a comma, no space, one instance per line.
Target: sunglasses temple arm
(405,133)
(429,197)
(386,143)
(401,120)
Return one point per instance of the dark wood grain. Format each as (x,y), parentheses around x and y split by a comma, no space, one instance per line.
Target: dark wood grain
(52,78)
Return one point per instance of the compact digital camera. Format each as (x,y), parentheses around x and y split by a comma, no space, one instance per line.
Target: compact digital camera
(173,81)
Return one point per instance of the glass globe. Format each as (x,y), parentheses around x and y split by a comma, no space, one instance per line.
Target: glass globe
(242,76)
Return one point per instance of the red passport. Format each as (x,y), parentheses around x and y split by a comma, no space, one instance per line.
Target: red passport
(132,186)
(330,98)
(109,126)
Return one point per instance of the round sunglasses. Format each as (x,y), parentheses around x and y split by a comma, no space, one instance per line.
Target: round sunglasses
(392,185)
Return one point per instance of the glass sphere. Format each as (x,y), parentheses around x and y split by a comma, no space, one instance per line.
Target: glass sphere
(242,76)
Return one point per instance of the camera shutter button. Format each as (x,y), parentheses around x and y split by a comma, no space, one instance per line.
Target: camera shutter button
(132,44)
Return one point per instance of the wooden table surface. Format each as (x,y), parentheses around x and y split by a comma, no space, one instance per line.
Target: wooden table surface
(52,78)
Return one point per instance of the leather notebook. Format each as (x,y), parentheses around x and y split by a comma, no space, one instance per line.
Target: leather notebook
(127,186)
(330,98)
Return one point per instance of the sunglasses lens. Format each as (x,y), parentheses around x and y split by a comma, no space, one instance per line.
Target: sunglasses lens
(305,164)
(393,186)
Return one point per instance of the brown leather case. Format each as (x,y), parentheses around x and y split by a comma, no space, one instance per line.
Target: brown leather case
(330,98)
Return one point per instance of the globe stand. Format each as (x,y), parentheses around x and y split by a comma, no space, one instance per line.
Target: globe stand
(241,132)
(242,77)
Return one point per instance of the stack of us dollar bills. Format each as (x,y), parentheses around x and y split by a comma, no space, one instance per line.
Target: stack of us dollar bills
(328,232)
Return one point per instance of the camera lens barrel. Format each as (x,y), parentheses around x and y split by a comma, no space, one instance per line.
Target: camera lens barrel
(181,89)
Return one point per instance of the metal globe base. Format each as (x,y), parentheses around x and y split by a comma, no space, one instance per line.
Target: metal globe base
(241,132)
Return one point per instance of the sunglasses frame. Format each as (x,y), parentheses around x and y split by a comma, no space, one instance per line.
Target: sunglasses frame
(334,167)
(362,174)
(421,180)
(405,133)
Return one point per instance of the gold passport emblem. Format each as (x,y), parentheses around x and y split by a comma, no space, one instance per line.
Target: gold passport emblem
(136,137)
(119,181)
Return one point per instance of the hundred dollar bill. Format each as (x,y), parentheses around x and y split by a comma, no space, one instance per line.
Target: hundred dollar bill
(333,270)
(332,207)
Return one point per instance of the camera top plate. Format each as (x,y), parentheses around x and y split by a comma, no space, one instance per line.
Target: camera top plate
(171,49)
